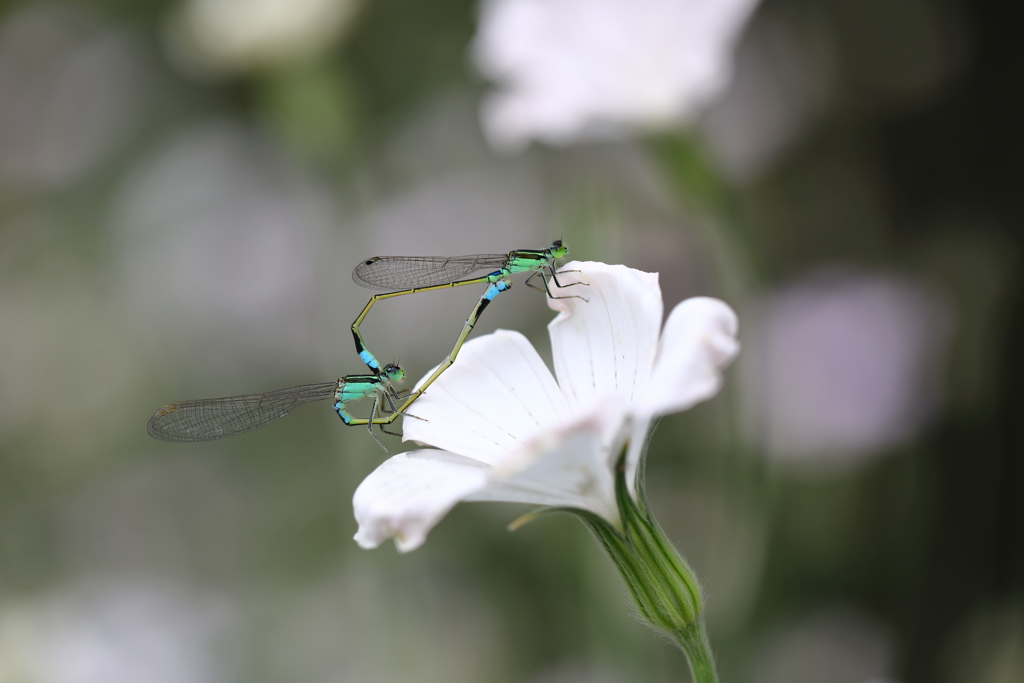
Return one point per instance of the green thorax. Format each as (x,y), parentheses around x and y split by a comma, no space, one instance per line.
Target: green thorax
(355,387)
(526,260)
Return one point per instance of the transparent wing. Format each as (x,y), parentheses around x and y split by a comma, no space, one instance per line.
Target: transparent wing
(392,273)
(215,418)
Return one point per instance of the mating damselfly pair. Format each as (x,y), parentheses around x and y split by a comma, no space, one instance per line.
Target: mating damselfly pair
(216,418)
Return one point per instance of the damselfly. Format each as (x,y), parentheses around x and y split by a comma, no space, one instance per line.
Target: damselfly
(415,274)
(216,418)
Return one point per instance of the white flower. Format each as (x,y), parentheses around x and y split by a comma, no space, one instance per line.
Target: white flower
(121,631)
(581,69)
(510,432)
(845,367)
(226,36)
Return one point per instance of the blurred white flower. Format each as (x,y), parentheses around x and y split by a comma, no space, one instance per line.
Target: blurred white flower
(117,634)
(845,365)
(570,70)
(72,92)
(510,432)
(227,36)
(219,231)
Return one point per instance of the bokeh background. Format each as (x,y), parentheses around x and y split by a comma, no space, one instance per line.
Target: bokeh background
(185,186)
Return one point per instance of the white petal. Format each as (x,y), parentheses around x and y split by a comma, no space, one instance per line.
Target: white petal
(639,432)
(571,466)
(699,340)
(491,401)
(607,343)
(408,494)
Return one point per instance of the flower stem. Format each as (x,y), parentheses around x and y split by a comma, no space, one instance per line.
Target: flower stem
(693,640)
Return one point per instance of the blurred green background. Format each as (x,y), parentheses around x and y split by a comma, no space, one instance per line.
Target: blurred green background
(179,218)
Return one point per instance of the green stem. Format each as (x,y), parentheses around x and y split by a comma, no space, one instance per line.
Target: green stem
(693,640)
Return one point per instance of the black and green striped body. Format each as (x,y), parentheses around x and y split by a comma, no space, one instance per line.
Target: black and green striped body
(355,387)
